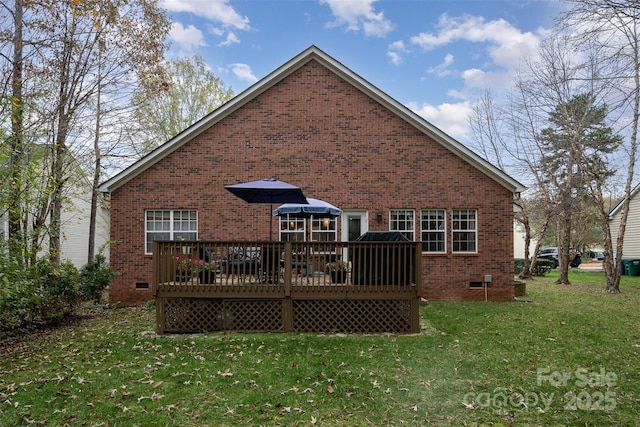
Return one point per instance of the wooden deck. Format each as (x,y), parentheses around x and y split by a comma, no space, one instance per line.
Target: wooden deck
(276,286)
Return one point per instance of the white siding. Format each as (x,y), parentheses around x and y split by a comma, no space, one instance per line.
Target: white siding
(518,241)
(631,247)
(75,231)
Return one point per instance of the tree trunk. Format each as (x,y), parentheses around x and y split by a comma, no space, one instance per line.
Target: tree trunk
(95,183)
(16,159)
(526,268)
(58,179)
(564,242)
(613,280)
(541,234)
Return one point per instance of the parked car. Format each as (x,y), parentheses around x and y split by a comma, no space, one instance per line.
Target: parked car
(552,255)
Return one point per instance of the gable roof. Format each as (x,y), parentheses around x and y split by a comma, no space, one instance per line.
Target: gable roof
(614,211)
(311,54)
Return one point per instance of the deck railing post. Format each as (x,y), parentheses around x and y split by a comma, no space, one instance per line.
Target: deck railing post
(160,316)
(155,269)
(287,314)
(415,302)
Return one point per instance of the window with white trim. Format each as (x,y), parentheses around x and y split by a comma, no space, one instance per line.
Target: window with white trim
(464,225)
(403,220)
(169,225)
(292,229)
(324,229)
(433,226)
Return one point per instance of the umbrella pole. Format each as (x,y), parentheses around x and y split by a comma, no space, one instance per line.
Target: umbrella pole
(270,222)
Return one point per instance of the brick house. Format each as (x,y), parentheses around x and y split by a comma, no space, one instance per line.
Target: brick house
(316,124)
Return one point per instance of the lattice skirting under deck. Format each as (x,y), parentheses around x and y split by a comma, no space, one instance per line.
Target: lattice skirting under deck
(184,315)
(352,316)
(207,315)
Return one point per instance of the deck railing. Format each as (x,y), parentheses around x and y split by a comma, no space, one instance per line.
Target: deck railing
(371,286)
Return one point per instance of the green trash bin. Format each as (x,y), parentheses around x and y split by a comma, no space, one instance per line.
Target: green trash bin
(633,267)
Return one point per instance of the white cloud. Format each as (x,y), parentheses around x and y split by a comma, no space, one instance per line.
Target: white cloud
(215,10)
(188,39)
(453,119)
(506,44)
(359,15)
(231,39)
(442,69)
(220,12)
(243,72)
(396,51)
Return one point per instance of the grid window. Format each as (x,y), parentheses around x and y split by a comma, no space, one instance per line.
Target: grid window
(292,229)
(465,231)
(324,229)
(403,220)
(169,225)
(433,226)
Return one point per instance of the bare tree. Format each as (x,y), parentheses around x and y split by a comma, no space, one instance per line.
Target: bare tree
(544,126)
(76,51)
(506,135)
(613,26)
(15,141)
(193,91)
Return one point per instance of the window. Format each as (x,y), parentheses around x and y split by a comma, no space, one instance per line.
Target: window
(403,221)
(323,229)
(170,225)
(433,226)
(292,229)
(465,230)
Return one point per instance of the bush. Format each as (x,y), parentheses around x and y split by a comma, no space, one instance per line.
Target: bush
(542,267)
(519,265)
(35,296)
(94,279)
(58,290)
(540,270)
(19,301)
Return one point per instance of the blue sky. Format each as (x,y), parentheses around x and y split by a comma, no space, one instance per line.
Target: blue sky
(434,56)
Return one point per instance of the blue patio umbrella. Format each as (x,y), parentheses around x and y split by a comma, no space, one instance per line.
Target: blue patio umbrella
(268,190)
(314,208)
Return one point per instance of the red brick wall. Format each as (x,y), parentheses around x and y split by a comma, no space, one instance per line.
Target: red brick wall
(315,130)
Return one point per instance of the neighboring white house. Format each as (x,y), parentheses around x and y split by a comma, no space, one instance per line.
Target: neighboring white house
(631,246)
(75,227)
(518,240)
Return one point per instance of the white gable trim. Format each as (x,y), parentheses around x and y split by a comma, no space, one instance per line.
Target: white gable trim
(617,207)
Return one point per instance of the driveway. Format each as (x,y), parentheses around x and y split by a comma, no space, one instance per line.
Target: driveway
(591,265)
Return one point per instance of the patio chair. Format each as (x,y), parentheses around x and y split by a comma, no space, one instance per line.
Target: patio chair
(242,262)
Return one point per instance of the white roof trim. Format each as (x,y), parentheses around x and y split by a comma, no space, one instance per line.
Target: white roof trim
(309,54)
(618,206)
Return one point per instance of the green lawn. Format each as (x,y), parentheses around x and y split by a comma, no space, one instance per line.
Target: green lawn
(570,357)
